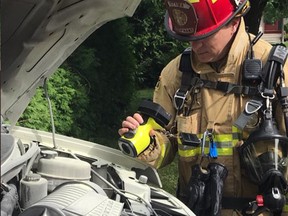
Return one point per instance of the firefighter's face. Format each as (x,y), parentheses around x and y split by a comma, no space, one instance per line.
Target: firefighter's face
(216,46)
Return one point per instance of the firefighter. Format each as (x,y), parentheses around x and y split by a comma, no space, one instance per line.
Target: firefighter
(212,178)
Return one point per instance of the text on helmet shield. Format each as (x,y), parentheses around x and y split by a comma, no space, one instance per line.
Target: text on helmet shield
(213,1)
(183,17)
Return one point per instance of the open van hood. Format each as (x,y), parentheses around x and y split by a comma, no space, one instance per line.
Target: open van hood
(38,36)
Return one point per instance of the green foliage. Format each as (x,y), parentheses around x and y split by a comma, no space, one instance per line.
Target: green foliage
(91,101)
(286,33)
(95,89)
(67,94)
(82,59)
(169,176)
(36,115)
(140,95)
(153,48)
(90,95)
(274,10)
(110,72)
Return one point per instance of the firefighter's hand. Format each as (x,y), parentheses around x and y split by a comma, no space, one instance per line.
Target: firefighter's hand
(153,151)
(151,154)
(131,123)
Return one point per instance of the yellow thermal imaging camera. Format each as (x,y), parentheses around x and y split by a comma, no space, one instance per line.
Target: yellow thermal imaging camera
(136,141)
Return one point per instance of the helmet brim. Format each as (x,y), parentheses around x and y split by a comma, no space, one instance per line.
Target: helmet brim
(201,35)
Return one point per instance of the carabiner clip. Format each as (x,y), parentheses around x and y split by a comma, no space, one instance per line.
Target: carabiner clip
(213,153)
(203,141)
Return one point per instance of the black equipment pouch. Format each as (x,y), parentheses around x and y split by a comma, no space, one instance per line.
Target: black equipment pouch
(189,139)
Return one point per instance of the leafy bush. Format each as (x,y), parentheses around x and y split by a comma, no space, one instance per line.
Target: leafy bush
(91,93)
(67,94)
(153,48)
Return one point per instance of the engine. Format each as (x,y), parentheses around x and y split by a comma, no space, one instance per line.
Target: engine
(76,198)
(38,180)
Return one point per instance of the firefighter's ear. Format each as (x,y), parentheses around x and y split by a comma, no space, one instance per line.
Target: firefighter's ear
(234,25)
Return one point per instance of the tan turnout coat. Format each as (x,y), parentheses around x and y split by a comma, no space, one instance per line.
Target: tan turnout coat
(211,109)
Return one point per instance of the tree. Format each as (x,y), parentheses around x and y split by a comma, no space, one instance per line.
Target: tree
(153,47)
(254,15)
(91,92)
(275,10)
(272,10)
(107,62)
(67,93)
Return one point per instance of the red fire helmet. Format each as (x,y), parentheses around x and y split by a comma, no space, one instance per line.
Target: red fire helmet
(191,20)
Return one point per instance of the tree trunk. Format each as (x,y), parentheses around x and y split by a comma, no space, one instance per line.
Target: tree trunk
(253,17)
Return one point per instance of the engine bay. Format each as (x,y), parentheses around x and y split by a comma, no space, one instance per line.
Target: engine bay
(39,179)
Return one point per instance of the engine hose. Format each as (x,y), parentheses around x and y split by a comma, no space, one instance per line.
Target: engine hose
(271,76)
(33,150)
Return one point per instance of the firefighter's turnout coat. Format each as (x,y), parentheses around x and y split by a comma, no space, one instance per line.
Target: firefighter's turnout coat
(211,109)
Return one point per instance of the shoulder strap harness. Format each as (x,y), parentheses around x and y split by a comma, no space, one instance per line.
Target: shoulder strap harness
(272,72)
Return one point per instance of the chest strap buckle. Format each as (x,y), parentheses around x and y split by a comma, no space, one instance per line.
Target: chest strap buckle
(179,99)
